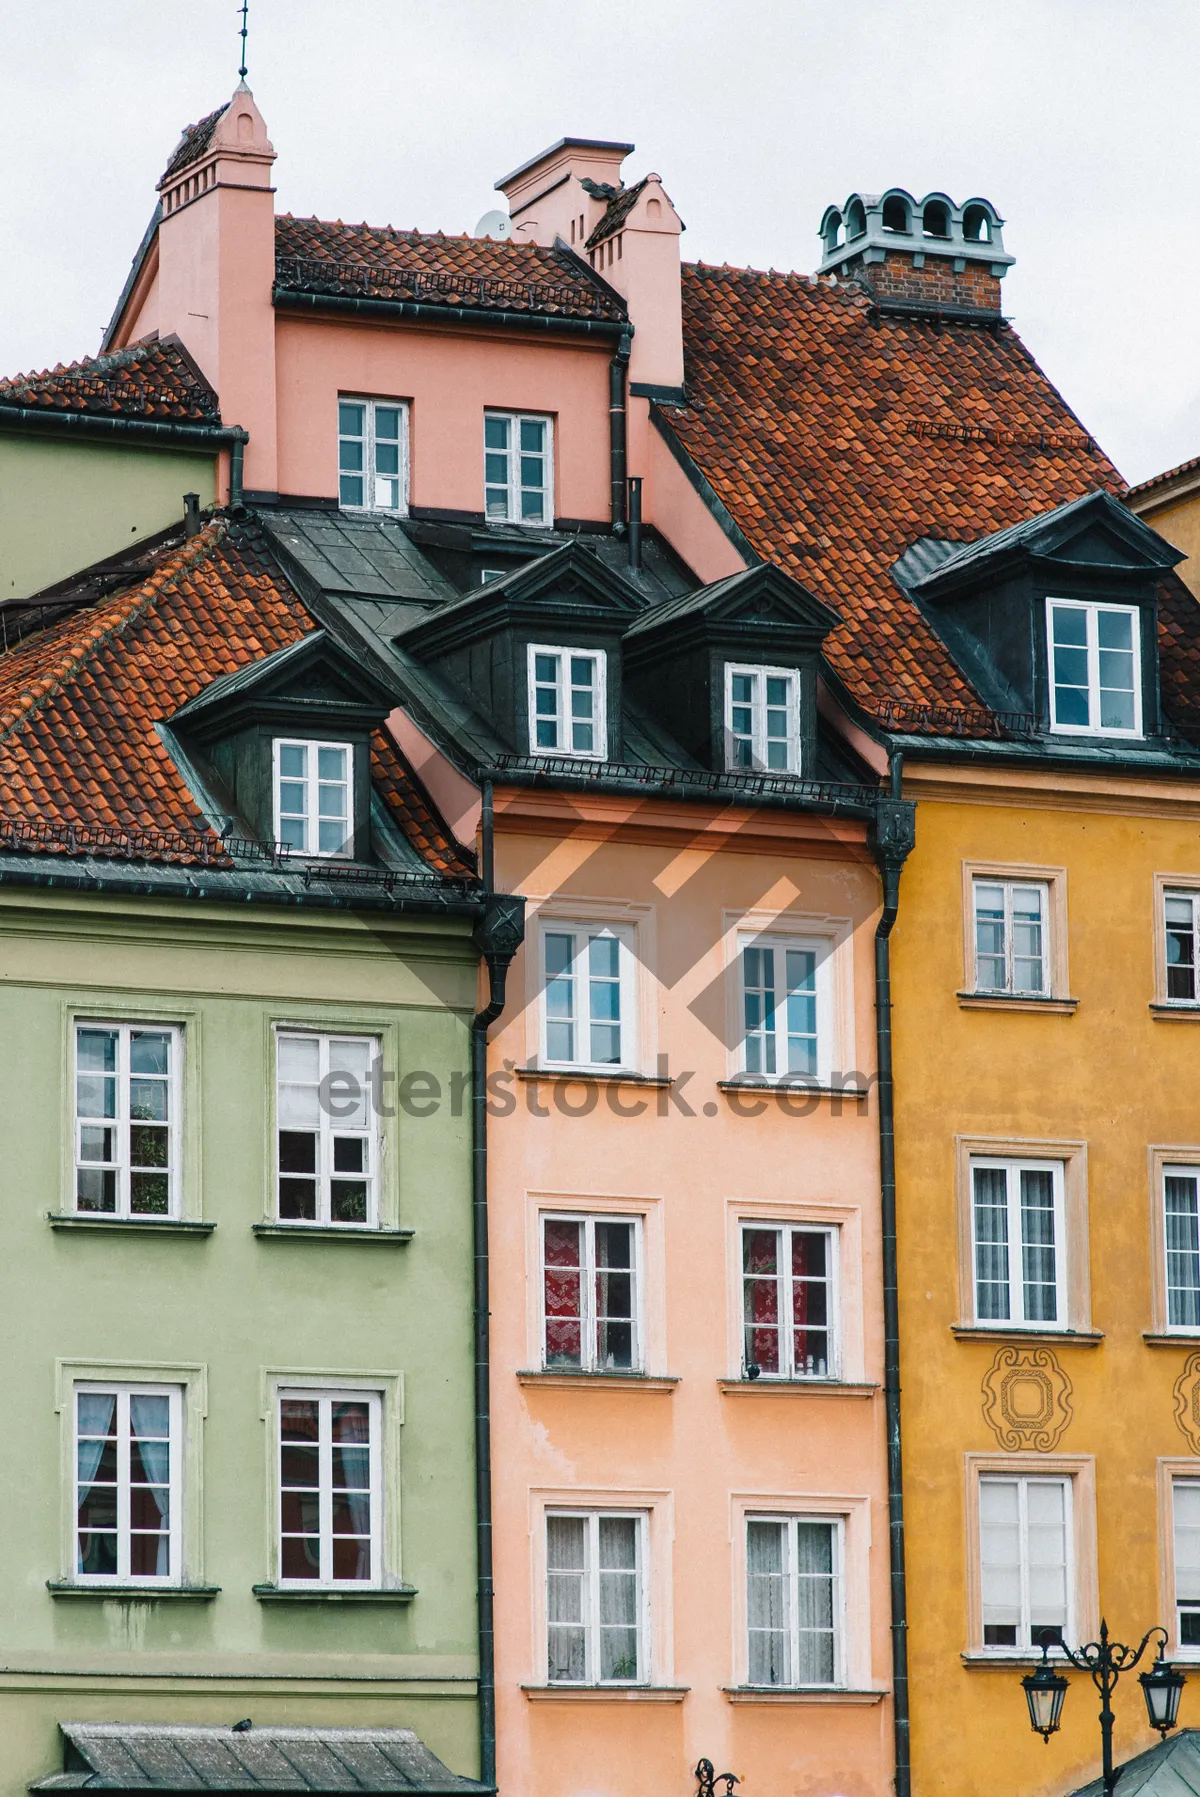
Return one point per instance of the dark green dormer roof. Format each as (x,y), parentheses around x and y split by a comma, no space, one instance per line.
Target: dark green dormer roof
(760,595)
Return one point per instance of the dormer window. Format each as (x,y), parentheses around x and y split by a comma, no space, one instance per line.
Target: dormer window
(1095,672)
(517,468)
(567,702)
(313,791)
(372,455)
(762,719)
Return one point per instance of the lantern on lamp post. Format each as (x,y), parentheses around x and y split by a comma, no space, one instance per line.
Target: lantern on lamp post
(1046,1690)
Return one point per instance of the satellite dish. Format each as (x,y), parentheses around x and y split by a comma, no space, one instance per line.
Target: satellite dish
(494,224)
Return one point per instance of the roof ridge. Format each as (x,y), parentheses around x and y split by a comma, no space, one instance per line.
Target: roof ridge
(129,608)
(112,358)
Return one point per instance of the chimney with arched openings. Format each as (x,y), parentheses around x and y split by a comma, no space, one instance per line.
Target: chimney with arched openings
(926,257)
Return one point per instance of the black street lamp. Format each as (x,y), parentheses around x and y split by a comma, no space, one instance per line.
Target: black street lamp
(1045,1690)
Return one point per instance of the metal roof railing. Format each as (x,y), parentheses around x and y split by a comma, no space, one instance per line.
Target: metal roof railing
(697,782)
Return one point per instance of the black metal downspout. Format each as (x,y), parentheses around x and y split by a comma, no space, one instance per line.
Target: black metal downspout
(617,434)
(237,462)
(892,841)
(497,937)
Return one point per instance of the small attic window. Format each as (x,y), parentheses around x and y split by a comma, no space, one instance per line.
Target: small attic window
(314,787)
(567,701)
(762,719)
(833,232)
(977,225)
(936,219)
(895,213)
(856,219)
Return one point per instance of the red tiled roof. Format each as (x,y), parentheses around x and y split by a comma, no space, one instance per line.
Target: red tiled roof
(836,437)
(148,380)
(615,213)
(481,272)
(1161,480)
(194,142)
(79,703)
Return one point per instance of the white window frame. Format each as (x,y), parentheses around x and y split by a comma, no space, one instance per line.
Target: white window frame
(1025,1644)
(591,1621)
(790,1520)
(822,948)
(1093,609)
(122,1121)
(1191,897)
(369,472)
(783,1280)
(513,454)
(759,718)
(123,1390)
(1010,888)
(327,1128)
(312,785)
(1192,1174)
(623,935)
(1183,1650)
(563,689)
(326,1396)
(589,1357)
(1013,1168)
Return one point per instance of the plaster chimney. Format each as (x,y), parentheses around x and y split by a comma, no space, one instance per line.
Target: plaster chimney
(573,192)
(923,257)
(216,268)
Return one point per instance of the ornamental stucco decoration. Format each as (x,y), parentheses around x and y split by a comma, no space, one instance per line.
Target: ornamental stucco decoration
(1187,1402)
(1027,1399)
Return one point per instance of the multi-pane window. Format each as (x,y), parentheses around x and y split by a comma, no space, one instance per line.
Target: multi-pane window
(789,1301)
(127,1447)
(1025,1560)
(328,1139)
(314,789)
(1019,1243)
(517,468)
(590,1295)
(329,1489)
(372,455)
(793,1601)
(1181,921)
(1181,1221)
(595,1599)
(762,719)
(781,1008)
(1011,936)
(126,1119)
(1095,672)
(1185,1497)
(587,996)
(567,700)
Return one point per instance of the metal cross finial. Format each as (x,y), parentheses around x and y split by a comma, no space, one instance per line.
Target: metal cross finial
(244,31)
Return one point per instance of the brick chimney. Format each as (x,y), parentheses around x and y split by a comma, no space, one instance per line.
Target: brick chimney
(216,268)
(573,192)
(925,257)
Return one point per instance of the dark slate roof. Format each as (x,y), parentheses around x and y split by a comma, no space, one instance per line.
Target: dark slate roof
(82,701)
(836,437)
(615,213)
(1172,1769)
(194,143)
(485,274)
(155,380)
(360,557)
(140,1756)
(1045,529)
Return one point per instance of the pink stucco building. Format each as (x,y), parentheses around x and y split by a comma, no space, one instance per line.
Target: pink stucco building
(463,447)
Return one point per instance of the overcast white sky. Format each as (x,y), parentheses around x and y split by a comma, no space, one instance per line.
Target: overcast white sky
(1077,118)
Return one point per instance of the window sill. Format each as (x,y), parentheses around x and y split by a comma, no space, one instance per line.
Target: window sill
(1016,1001)
(562,1379)
(330,1232)
(1005,1658)
(1179,1338)
(134,1594)
(606,1693)
(800,1694)
(303,1594)
(134,1225)
(817,1388)
(795,1087)
(616,1076)
(1180,1010)
(1067,1338)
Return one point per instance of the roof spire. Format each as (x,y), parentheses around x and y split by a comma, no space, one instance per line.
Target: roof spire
(243,34)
